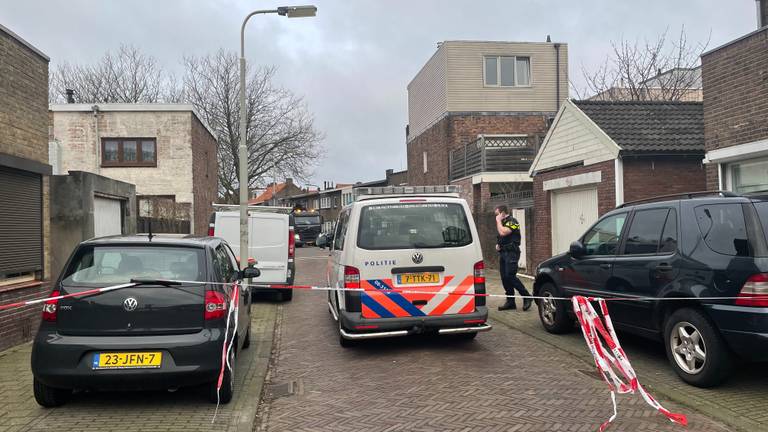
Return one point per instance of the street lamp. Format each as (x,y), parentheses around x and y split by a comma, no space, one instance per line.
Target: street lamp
(289,12)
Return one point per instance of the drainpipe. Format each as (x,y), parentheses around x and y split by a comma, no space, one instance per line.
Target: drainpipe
(557,76)
(95,109)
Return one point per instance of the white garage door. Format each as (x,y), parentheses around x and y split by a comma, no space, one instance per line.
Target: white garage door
(573,211)
(107,217)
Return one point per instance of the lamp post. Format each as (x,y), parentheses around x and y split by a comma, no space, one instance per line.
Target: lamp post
(289,12)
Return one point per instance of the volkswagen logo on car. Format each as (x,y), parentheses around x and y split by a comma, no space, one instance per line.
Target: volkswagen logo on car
(130,304)
(417,258)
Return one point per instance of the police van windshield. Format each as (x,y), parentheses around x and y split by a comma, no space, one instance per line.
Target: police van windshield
(413,225)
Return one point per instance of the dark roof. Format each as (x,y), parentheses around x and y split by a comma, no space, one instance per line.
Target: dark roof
(650,127)
(156,239)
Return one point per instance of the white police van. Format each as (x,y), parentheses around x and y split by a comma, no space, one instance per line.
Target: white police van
(419,239)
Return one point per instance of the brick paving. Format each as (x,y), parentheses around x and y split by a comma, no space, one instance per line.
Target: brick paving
(740,402)
(504,380)
(186,410)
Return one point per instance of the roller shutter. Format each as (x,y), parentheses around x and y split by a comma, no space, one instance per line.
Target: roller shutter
(21,238)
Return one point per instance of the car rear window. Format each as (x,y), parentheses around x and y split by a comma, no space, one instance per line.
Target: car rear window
(413,225)
(762,213)
(723,228)
(99,265)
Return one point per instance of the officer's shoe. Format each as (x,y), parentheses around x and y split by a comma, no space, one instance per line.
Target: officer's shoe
(508,306)
(527,303)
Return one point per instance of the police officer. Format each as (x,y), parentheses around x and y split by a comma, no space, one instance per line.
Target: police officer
(508,246)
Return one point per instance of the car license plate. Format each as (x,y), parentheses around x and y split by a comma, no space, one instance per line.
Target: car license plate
(417,278)
(127,360)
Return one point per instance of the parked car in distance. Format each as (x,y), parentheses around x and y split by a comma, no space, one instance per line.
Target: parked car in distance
(271,242)
(160,334)
(323,240)
(702,245)
(421,239)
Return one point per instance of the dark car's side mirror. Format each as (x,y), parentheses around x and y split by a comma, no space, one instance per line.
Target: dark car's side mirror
(577,249)
(250,272)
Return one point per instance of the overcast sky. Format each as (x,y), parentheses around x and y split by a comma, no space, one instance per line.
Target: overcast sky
(353,61)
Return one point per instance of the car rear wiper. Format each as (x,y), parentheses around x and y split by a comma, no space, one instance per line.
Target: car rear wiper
(163,282)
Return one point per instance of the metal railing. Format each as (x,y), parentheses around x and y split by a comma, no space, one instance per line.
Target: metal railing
(493,154)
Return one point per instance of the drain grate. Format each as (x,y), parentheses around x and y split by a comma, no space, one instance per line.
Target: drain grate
(277,391)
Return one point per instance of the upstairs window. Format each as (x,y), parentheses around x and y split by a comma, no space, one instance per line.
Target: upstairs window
(128,152)
(507,71)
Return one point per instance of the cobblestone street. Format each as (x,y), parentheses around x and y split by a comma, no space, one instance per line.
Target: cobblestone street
(504,380)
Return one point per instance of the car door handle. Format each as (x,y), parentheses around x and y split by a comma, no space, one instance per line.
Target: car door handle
(606,266)
(664,267)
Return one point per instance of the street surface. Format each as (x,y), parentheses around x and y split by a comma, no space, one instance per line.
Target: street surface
(504,380)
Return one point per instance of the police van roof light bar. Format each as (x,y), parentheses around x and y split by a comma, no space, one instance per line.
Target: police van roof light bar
(407,190)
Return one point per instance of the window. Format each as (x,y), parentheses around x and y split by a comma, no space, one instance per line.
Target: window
(507,71)
(669,236)
(325,202)
(417,225)
(603,238)
(225,268)
(128,152)
(424,160)
(347,198)
(341,231)
(762,214)
(749,176)
(645,232)
(723,228)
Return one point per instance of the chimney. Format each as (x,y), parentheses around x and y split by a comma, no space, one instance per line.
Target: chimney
(70,95)
(762,13)
(389,172)
(549,39)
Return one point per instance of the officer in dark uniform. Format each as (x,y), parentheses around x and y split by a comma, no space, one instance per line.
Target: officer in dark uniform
(508,245)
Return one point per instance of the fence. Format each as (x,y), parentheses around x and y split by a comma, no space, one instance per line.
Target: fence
(493,154)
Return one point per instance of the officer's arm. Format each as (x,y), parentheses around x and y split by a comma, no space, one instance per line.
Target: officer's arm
(502,229)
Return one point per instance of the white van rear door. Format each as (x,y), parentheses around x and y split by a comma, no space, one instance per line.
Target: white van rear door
(267,242)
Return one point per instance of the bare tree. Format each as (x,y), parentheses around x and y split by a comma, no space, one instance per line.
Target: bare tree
(281,135)
(127,75)
(658,70)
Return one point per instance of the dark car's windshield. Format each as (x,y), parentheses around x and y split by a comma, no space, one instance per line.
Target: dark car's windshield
(99,265)
(413,225)
(307,220)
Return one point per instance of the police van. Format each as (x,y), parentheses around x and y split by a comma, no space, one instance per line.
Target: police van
(415,255)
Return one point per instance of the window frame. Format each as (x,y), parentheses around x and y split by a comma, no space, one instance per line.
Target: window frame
(630,222)
(120,162)
(498,84)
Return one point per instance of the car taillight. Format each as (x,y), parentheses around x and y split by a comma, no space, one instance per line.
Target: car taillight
(351,277)
(754,292)
(291,244)
(215,305)
(50,307)
(210,230)
(479,273)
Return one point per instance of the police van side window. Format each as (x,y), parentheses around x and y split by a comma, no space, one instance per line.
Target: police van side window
(341,232)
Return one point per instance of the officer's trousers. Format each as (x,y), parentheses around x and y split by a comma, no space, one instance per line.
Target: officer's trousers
(510,281)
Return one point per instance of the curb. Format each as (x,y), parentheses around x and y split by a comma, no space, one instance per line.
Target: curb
(702,406)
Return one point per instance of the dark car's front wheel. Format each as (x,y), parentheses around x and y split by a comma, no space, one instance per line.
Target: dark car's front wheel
(49,397)
(553,313)
(695,348)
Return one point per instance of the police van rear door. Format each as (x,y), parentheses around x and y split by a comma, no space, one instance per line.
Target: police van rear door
(425,246)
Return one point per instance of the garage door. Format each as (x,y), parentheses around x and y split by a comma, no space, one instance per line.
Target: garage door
(21,212)
(107,217)
(573,211)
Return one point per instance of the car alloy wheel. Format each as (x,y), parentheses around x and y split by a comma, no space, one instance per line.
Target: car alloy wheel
(547,309)
(688,347)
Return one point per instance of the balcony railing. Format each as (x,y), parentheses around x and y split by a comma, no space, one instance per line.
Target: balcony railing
(493,154)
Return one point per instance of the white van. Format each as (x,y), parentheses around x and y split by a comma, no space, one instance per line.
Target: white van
(271,242)
(421,239)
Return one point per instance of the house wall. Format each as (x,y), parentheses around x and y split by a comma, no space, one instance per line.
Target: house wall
(735,95)
(205,171)
(542,203)
(427,93)
(24,134)
(648,177)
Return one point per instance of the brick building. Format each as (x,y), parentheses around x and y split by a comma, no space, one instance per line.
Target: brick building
(598,155)
(276,194)
(735,78)
(164,149)
(477,113)
(24,185)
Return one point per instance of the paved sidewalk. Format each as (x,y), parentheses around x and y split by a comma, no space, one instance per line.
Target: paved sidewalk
(740,402)
(186,410)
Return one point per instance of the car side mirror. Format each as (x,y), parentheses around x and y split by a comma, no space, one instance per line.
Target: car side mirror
(250,272)
(322,241)
(577,249)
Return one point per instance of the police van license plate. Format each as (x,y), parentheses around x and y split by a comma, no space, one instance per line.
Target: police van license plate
(127,360)
(417,278)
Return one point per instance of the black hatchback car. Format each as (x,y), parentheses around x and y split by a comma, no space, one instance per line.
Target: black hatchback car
(159,334)
(707,245)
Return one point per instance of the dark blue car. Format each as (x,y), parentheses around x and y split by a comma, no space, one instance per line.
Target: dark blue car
(704,245)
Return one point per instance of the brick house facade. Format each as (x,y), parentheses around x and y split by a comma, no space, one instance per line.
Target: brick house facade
(180,178)
(24,185)
(598,155)
(735,79)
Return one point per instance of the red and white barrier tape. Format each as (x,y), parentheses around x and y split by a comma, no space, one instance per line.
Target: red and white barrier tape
(611,359)
(63,296)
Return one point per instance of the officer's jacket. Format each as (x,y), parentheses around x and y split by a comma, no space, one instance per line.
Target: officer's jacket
(510,242)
